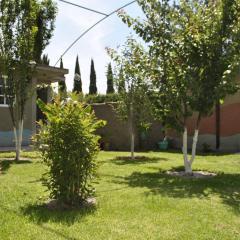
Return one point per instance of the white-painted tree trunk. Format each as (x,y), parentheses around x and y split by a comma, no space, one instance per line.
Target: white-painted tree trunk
(194,145)
(18,132)
(188,163)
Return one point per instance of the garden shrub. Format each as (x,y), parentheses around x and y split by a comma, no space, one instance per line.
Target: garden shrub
(69,146)
(101,98)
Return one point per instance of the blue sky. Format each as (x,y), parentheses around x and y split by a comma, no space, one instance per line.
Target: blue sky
(72,21)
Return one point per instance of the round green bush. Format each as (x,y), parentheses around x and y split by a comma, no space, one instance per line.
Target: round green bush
(69,146)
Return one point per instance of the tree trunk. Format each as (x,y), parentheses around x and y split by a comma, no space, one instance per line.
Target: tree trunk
(132,145)
(218,121)
(187,163)
(194,145)
(18,132)
(132,137)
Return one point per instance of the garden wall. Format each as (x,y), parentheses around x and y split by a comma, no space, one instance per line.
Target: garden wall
(115,135)
(229,128)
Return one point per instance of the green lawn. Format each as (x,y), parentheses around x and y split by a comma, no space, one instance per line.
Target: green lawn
(136,200)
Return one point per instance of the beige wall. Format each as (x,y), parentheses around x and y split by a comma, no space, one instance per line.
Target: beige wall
(6,126)
(115,135)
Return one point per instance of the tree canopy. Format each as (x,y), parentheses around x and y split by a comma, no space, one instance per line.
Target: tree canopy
(192,59)
(19,30)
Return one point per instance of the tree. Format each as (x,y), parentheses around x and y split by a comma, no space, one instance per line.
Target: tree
(193,52)
(110,88)
(62,88)
(77,82)
(93,84)
(121,82)
(18,30)
(134,104)
(45,60)
(45,20)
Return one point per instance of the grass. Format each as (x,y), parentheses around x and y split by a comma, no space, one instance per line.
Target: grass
(136,200)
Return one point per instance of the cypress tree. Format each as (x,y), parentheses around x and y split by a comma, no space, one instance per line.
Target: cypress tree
(121,82)
(110,88)
(45,60)
(62,85)
(93,84)
(77,82)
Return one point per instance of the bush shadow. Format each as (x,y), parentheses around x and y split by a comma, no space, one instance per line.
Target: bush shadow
(226,186)
(41,225)
(124,160)
(41,214)
(6,164)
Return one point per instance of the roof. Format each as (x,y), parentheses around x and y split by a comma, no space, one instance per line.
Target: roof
(47,74)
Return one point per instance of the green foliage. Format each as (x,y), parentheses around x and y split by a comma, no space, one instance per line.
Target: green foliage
(20,33)
(46,15)
(121,82)
(102,98)
(62,88)
(45,60)
(134,104)
(69,147)
(93,83)
(193,55)
(17,24)
(77,82)
(110,88)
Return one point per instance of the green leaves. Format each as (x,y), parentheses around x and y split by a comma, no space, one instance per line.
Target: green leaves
(193,55)
(69,147)
(130,63)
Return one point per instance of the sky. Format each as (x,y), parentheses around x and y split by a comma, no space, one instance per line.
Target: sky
(72,21)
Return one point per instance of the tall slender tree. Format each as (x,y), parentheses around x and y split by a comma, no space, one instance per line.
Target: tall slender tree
(121,81)
(18,33)
(62,88)
(45,20)
(110,88)
(45,60)
(77,82)
(93,83)
(134,105)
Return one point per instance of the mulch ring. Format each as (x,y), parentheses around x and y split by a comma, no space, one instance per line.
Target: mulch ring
(195,174)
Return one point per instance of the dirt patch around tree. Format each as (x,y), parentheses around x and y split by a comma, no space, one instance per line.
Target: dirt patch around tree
(57,205)
(195,174)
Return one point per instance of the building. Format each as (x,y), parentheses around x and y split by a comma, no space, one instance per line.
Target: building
(44,75)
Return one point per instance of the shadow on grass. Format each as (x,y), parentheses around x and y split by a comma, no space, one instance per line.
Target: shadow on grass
(199,152)
(226,186)
(124,160)
(41,226)
(6,164)
(42,214)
